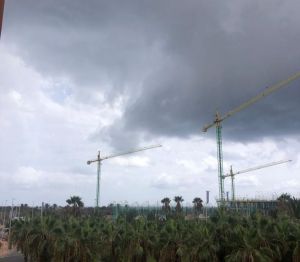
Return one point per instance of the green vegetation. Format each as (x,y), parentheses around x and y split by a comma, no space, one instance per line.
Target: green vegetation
(76,203)
(223,237)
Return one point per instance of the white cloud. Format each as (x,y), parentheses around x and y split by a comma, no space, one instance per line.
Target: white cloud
(248,181)
(210,163)
(293,183)
(134,161)
(176,182)
(31,178)
(45,143)
(16,97)
(191,166)
(164,181)
(27,177)
(43,139)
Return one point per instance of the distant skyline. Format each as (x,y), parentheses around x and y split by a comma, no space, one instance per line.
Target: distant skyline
(78,77)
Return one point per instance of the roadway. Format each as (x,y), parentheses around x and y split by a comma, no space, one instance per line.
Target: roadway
(12,258)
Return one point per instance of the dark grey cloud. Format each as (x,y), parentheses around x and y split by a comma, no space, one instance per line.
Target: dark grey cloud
(177,61)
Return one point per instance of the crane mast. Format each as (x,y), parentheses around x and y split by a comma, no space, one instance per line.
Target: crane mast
(99,160)
(220,158)
(232,174)
(218,123)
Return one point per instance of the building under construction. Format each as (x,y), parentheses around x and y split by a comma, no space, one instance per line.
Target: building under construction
(249,206)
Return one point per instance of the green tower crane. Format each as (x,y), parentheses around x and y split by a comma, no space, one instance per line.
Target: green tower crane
(219,119)
(232,174)
(99,162)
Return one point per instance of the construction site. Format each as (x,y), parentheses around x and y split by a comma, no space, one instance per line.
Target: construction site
(100,76)
(229,201)
(244,205)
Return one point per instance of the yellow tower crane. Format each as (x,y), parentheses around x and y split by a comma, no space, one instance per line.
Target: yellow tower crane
(100,159)
(233,174)
(219,119)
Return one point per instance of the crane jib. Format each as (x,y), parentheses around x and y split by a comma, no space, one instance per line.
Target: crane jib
(255,99)
(265,93)
(258,167)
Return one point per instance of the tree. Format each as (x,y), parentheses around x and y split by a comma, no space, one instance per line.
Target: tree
(295,207)
(197,205)
(222,237)
(166,205)
(289,205)
(178,200)
(173,241)
(203,246)
(75,202)
(284,197)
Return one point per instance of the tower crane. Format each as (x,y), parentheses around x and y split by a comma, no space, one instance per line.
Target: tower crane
(99,160)
(219,119)
(233,174)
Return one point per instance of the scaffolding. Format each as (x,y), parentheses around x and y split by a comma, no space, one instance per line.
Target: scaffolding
(248,206)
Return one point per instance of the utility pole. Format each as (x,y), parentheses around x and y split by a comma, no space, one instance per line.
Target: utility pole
(32,210)
(42,210)
(206,206)
(11,214)
(207,197)
(99,162)
(2,208)
(4,218)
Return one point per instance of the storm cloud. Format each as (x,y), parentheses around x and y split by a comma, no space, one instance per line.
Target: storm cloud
(172,63)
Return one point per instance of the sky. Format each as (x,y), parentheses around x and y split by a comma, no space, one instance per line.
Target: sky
(82,76)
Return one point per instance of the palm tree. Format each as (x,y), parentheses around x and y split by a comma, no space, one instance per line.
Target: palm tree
(223,237)
(19,235)
(296,253)
(285,197)
(39,239)
(295,207)
(54,207)
(284,204)
(203,246)
(173,244)
(197,205)
(289,205)
(178,200)
(166,205)
(252,244)
(76,202)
